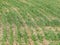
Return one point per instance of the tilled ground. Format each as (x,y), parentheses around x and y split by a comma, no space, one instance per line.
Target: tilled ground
(29,35)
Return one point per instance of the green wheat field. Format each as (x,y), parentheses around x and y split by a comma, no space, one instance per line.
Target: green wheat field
(29,22)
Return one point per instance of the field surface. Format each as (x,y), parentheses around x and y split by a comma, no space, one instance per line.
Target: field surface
(29,22)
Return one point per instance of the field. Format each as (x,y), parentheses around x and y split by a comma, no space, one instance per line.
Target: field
(29,22)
